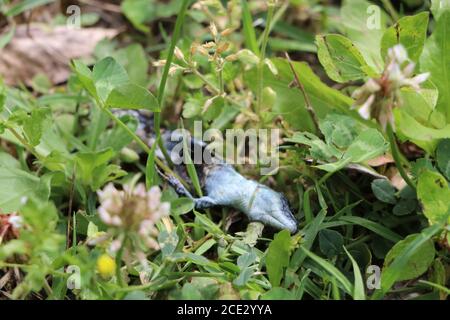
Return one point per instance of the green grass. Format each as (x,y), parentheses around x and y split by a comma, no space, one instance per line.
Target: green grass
(67,160)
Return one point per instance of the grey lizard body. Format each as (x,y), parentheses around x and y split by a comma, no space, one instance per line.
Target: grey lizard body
(224,186)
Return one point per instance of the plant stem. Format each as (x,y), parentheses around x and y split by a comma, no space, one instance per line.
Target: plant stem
(162,86)
(221,85)
(390,8)
(227,98)
(397,156)
(265,39)
(119,261)
(25,143)
(277,16)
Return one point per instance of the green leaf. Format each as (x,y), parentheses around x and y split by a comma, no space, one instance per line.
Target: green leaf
(248,29)
(214,109)
(290,102)
(25,5)
(341,59)
(168,242)
(246,260)
(199,288)
(384,191)
(364,23)
(417,264)
(436,60)
(330,242)
(410,31)
(439,277)
(117,138)
(8,161)
(181,206)
(138,12)
(395,270)
(93,170)
(191,108)
(438,7)
(368,145)
(132,96)
(340,130)
(34,125)
(404,207)
(358,291)
(16,185)
(108,75)
(278,257)
(84,75)
(133,58)
(424,136)
(193,258)
(433,192)
(318,149)
(443,157)
(278,293)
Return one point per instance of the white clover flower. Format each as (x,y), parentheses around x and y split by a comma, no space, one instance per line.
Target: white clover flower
(377,97)
(134,210)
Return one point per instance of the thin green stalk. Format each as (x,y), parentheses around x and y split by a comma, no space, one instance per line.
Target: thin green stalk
(397,156)
(25,143)
(119,261)
(216,91)
(262,57)
(221,84)
(390,8)
(162,85)
(277,16)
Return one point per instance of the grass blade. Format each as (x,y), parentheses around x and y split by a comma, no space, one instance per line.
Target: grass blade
(310,236)
(373,226)
(150,169)
(358,290)
(332,270)
(190,167)
(249,30)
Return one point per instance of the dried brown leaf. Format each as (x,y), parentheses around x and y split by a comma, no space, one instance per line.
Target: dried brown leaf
(47,50)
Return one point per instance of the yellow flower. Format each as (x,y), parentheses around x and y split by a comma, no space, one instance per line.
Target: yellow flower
(106,266)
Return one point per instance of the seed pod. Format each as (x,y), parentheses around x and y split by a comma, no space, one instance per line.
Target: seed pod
(213,29)
(202,51)
(232,57)
(159,63)
(209,45)
(223,47)
(178,53)
(226,32)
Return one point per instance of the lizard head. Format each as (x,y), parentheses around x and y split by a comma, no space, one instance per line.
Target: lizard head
(272,208)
